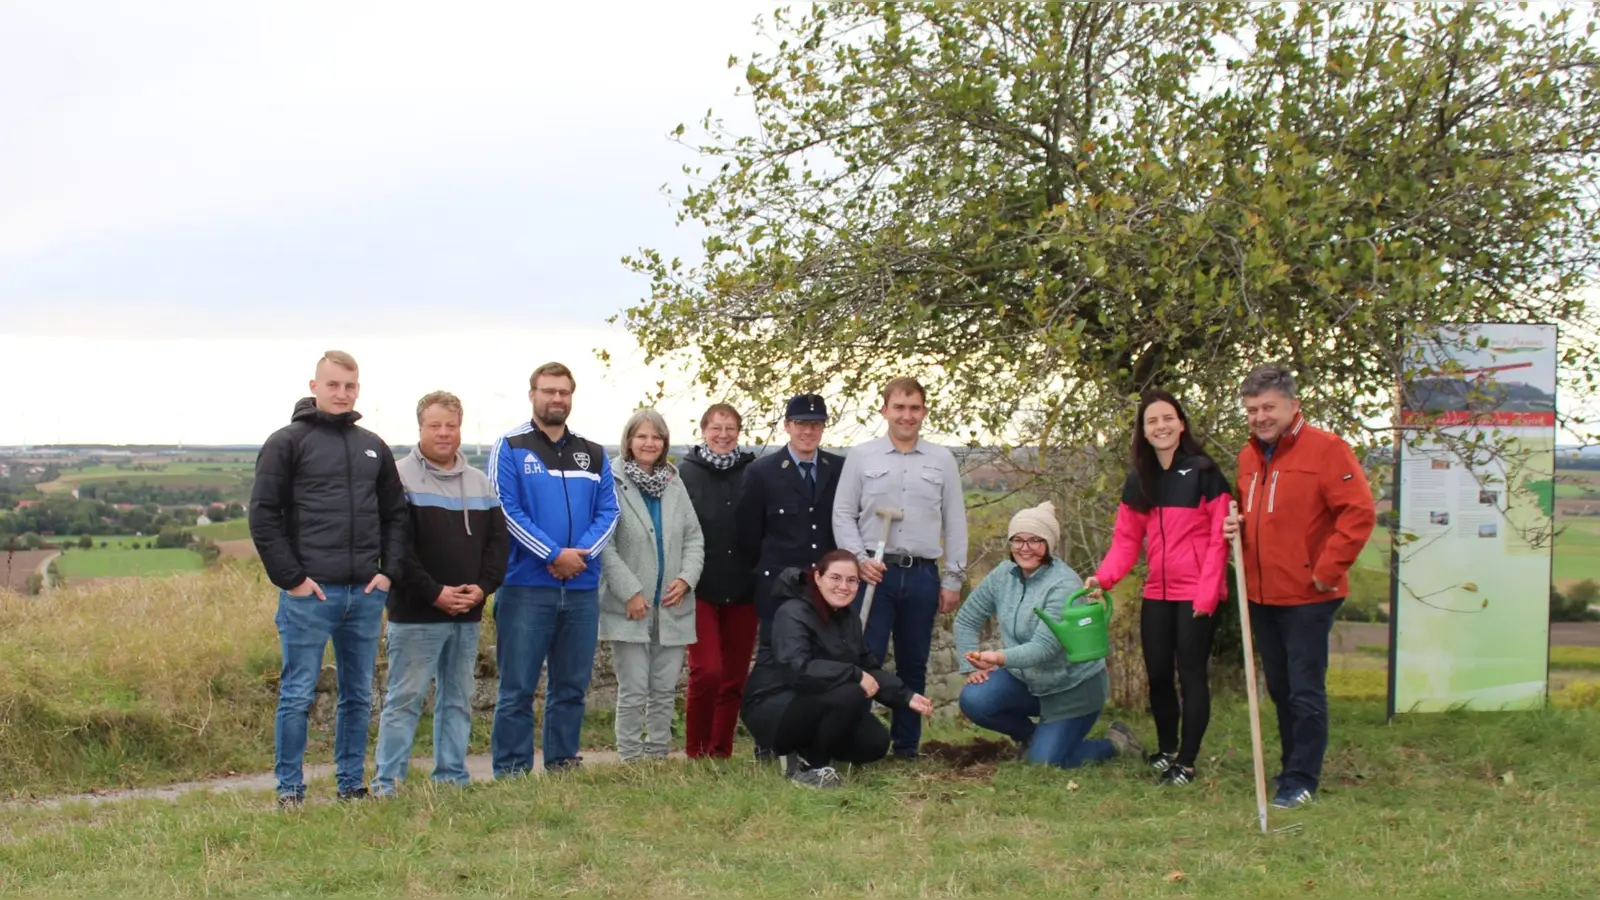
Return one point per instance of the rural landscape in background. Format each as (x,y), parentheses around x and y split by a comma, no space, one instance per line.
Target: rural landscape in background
(98,512)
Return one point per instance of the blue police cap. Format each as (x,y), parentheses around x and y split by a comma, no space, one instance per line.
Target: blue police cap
(806,408)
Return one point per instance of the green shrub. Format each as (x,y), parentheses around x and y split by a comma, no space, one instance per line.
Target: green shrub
(1575,605)
(1369,595)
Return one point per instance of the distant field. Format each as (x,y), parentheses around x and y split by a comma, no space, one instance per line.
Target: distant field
(1577,550)
(232,477)
(1581,490)
(1375,555)
(1577,484)
(116,541)
(118,561)
(231,530)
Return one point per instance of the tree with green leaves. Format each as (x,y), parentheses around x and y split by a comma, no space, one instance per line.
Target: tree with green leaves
(1046,208)
(1055,206)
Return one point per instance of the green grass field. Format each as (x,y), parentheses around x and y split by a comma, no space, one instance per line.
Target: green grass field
(116,684)
(1577,550)
(1448,806)
(232,477)
(121,541)
(120,561)
(231,530)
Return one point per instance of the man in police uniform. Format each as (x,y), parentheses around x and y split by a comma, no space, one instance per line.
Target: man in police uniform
(785,514)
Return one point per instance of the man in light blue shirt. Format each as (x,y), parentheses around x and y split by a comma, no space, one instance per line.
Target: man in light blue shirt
(902,471)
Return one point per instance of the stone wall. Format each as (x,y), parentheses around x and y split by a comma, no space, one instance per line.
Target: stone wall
(944,679)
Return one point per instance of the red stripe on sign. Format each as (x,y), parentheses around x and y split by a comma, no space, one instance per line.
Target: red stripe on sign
(1480,419)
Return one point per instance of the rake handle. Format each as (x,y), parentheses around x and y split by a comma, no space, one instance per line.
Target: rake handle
(1250,673)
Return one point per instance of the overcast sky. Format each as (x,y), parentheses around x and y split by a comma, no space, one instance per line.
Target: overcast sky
(197,198)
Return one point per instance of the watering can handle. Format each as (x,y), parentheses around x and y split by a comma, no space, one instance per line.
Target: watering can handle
(1084,592)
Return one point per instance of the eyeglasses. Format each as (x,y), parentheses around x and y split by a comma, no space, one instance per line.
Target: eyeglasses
(1020,541)
(846,580)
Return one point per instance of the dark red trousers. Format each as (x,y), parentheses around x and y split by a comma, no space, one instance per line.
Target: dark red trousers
(719,663)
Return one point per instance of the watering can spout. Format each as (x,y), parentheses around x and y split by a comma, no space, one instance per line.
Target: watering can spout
(1084,631)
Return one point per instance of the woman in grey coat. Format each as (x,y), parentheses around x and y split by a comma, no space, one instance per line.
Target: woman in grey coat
(646,573)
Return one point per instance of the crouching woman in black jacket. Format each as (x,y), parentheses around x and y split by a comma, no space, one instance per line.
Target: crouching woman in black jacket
(810,695)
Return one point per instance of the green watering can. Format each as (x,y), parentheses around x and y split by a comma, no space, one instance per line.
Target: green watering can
(1083,630)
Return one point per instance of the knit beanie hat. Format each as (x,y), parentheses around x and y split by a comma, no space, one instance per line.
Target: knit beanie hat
(1038,520)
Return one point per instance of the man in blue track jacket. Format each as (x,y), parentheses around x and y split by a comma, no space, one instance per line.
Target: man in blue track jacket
(560,507)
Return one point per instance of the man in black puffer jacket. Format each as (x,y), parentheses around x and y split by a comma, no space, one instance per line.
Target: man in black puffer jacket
(328,518)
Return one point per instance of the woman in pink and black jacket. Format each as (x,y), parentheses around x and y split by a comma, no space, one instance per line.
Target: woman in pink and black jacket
(1173,506)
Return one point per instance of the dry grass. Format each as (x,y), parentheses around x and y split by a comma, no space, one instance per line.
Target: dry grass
(133,681)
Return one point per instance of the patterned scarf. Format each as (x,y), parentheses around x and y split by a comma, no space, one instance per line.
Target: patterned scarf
(722,462)
(652,483)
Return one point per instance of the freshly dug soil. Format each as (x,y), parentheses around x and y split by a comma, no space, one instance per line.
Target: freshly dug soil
(979,752)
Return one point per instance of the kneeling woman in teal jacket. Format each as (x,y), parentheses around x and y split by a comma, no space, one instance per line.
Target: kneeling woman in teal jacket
(1031,678)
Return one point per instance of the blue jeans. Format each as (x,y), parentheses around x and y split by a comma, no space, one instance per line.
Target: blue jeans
(1293,643)
(535,624)
(353,619)
(905,604)
(1004,704)
(419,653)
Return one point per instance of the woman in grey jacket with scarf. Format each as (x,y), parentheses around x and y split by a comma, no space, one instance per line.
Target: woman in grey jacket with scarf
(647,572)
(1030,676)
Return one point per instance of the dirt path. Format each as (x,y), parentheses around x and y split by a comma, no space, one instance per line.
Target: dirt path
(478,767)
(43,569)
(17,566)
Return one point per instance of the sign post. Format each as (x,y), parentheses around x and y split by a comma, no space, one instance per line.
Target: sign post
(1474,495)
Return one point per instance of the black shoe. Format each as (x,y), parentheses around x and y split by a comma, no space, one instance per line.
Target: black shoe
(566,765)
(823,777)
(1161,762)
(359,793)
(906,757)
(288,802)
(1293,798)
(1178,775)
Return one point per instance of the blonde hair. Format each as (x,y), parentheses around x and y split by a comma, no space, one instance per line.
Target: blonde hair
(338,358)
(439,398)
(640,417)
(553,369)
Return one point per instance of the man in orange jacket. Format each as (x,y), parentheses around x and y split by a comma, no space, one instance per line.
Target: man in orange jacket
(1306,511)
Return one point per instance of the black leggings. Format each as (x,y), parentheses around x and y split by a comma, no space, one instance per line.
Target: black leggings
(835,725)
(1168,630)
